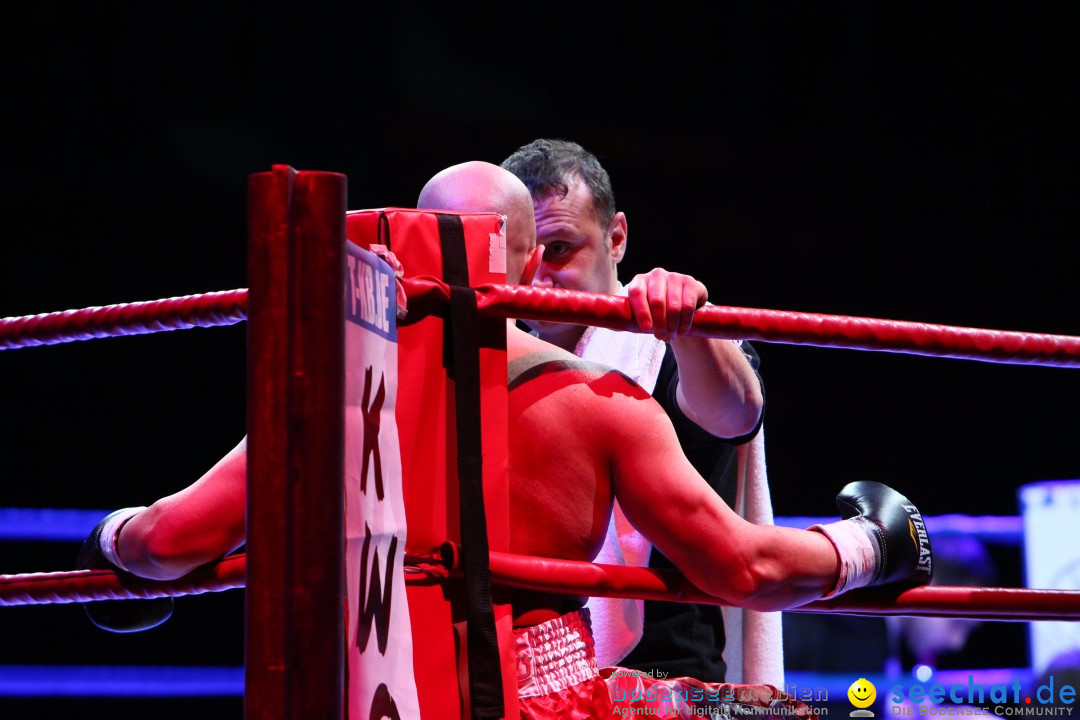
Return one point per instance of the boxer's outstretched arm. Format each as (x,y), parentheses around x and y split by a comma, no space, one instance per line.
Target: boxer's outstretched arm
(197,525)
(756,566)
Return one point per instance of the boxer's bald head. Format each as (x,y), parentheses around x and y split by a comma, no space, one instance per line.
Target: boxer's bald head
(482,187)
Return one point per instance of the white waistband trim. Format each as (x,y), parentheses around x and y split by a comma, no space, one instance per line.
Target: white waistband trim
(555,655)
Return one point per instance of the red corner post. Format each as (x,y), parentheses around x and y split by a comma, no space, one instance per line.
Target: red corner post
(295,535)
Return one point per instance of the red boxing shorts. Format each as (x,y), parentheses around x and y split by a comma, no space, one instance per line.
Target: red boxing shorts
(558,678)
(557,672)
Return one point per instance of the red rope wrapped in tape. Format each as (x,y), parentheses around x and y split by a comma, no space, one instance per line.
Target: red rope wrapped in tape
(91,585)
(572,577)
(778,326)
(796,327)
(428,295)
(226,307)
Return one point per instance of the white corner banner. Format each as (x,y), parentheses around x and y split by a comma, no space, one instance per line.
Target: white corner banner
(379,651)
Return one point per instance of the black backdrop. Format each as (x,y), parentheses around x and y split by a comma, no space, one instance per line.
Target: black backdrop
(911,162)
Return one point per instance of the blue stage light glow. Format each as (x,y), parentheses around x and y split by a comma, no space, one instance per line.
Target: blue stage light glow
(119,681)
(48,524)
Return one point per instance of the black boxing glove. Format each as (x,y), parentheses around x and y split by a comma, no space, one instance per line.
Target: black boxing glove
(99,552)
(883,540)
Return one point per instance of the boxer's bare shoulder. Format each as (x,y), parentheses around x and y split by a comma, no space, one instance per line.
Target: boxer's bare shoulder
(531,359)
(570,419)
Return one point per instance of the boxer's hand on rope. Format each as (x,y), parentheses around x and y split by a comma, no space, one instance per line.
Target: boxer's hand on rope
(664,302)
(99,552)
(883,539)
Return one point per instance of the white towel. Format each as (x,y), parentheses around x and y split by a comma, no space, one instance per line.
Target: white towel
(616,622)
(753,651)
(753,648)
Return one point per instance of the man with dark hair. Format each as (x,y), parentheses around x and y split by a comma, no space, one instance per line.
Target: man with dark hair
(709,388)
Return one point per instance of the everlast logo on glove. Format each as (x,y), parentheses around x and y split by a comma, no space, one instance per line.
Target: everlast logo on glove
(917,530)
(882,539)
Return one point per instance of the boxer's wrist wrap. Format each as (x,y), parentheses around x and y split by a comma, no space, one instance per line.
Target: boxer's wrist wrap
(110,535)
(859,560)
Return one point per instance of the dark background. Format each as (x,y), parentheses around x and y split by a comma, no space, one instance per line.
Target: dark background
(913,162)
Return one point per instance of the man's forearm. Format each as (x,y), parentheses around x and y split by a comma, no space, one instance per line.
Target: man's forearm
(718,389)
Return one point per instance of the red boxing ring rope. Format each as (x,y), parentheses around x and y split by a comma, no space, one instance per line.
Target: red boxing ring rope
(778,326)
(225,307)
(93,585)
(576,577)
(571,577)
(611,311)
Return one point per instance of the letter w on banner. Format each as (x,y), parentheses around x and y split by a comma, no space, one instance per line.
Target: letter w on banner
(381,683)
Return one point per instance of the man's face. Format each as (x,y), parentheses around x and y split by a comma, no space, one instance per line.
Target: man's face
(578,252)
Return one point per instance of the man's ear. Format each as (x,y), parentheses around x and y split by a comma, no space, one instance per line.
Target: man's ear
(532,264)
(617,234)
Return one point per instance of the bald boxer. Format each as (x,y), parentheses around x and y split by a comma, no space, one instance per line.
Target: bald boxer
(581,436)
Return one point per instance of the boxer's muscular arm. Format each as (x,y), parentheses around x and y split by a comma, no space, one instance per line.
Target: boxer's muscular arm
(197,525)
(718,389)
(762,567)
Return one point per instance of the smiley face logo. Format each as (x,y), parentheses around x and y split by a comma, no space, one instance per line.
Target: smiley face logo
(862,693)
